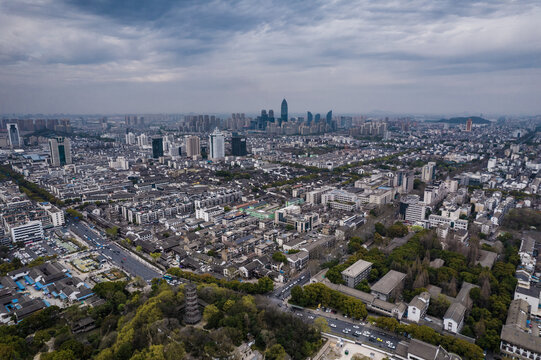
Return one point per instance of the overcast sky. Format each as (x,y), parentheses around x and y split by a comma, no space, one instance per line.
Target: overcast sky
(145,56)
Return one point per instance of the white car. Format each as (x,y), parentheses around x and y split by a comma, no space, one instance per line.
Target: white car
(345,331)
(355,327)
(310,317)
(333,325)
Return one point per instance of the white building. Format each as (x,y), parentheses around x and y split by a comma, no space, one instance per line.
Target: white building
(130,138)
(217,145)
(26,233)
(209,214)
(456,224)
(418,306)
(453,320)
(428,172)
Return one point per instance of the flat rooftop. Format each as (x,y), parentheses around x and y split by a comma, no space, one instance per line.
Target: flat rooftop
(357,268)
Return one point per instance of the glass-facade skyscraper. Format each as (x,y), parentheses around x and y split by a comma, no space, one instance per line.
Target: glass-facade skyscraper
(283,117)
(157,148)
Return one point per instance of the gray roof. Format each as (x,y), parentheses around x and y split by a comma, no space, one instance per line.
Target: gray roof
(517,313)
(463,296)
(455,312)
(418,302)
(532,291)
(388,282)
(516,336)
(422,350)
(357,268)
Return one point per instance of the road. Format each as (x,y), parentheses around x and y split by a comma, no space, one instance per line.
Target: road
(120,257)
(285,291)
(353,330)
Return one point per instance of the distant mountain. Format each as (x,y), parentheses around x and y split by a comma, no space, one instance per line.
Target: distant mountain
(462,120)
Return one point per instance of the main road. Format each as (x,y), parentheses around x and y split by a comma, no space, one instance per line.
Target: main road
(121,257)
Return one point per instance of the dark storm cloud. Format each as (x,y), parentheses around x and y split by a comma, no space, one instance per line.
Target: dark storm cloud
(242,51)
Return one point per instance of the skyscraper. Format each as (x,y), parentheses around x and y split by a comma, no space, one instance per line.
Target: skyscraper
(238,145)
(217,145)
(14,136)
(193,146)
(157,147)
(329,117)
(60,151)
(469,125)
(283,117)
(309,118)
(317,119)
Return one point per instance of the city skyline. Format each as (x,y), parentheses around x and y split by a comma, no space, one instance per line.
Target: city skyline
(164,57)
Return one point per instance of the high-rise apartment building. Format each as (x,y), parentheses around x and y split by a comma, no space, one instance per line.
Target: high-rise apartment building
(217,145)
(60,149)
(238,145)
(469,124)
(130,138)
(428,172)
(157,148)
(193,146)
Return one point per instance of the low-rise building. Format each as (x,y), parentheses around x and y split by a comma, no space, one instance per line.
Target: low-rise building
(418,306)
(389,286)
(453,320)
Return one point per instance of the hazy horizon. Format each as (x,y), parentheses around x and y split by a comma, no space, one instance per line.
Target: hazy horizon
(411,57)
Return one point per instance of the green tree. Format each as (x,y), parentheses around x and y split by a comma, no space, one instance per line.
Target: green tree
(276,352)
(321,324)
(380,228)
(279,257)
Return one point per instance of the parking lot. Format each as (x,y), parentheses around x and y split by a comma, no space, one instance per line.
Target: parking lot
(49,247)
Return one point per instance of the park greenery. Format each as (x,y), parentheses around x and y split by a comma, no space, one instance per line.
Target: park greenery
(491,298)
(523,219)
(149,325)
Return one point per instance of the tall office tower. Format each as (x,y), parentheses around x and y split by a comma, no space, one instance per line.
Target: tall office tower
(309,118)
(157,148)
(328,117)
(14,136)
(193,146)
(217,145)
(271,115)
(317,119)
(238,145)
(262,120)
(283,112)
(469,125)
(428,172)
(60,151)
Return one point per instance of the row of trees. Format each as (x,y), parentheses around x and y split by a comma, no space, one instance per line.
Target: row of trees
(317,294)
(33,191)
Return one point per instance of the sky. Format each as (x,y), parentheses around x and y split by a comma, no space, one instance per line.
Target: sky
(221,56)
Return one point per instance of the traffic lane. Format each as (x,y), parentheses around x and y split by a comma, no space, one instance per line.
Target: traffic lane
(120,257)
(340,326)
(285,291)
